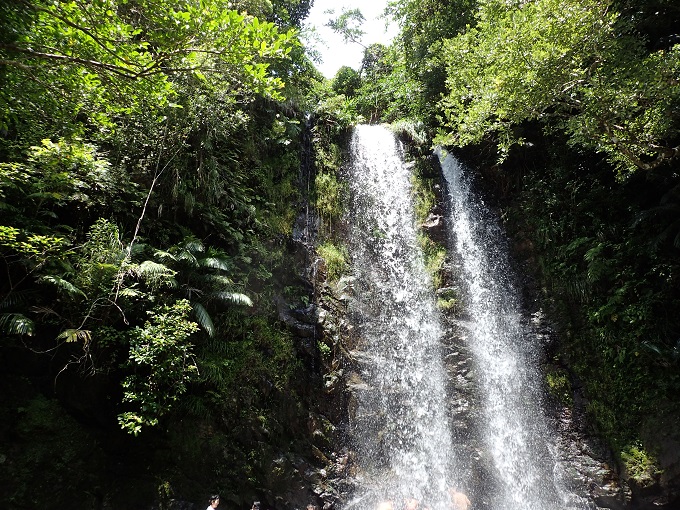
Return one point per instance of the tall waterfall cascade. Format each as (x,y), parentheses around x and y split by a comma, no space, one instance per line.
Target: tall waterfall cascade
(513,429)
(400,424)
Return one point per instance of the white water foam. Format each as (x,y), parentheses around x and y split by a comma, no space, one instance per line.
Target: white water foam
(506,356)
(400,426)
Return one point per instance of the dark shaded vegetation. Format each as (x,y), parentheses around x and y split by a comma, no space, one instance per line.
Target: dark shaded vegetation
(608,262)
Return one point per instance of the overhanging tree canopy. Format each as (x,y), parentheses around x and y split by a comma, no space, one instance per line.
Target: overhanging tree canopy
(570,65)
(112,56)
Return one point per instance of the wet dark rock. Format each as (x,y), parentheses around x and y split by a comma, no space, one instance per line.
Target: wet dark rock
(662,434)
(297,321)
(609,502)
(435,228)
(306,315)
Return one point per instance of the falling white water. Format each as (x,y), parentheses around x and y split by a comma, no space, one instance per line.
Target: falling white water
(513,428)
(399,422)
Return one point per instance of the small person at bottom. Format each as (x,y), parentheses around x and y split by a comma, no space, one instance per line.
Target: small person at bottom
(213,502)
(256,505)
(411,504)
(459,501)
(385,505)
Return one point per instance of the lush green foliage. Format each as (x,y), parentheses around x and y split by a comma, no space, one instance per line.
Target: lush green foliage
(335,114)
(149,172)
(569,65)
(348,24)
(148,162)
(336,260)
(107,59)
(387,92)
(49,449)
(609,270)
(346,81)
(161,356)
(560,386)
(424,25)
(149,183)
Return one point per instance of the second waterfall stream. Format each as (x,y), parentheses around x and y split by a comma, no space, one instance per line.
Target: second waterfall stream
(407,443)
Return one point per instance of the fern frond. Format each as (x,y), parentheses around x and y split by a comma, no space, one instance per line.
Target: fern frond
(164,256)
(74,335)
(217,347)
(203,318)
(196,406)
(187,256)
(214,263)
(577,289)
(236,298)
(64,285)
(194,246)
(4,206)
(137,249)
(149,267)
(65,265)
(218,281)
(48,214)
(153,270)
(672,232)
(214,371)
(652,347)
(156,275)
(44,311)
(16,324)
(576,244)
(130,293)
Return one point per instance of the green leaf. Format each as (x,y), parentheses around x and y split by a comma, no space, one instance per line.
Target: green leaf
(203,318)
(75,335)
(16,324)
(236,298)
(63,285)
(156,274)
(215,263)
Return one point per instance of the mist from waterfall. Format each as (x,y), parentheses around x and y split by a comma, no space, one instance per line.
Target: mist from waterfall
(513,427)
(399,421)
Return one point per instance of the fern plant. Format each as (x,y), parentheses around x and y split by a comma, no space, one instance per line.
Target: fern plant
(16,324)
(202,276)
(12,320)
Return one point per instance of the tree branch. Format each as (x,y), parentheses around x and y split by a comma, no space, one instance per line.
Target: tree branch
(663,154)
(121,71)
(84,30)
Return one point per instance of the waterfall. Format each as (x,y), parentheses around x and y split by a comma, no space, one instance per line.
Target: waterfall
(406,441)
(513,427)
(399,420)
